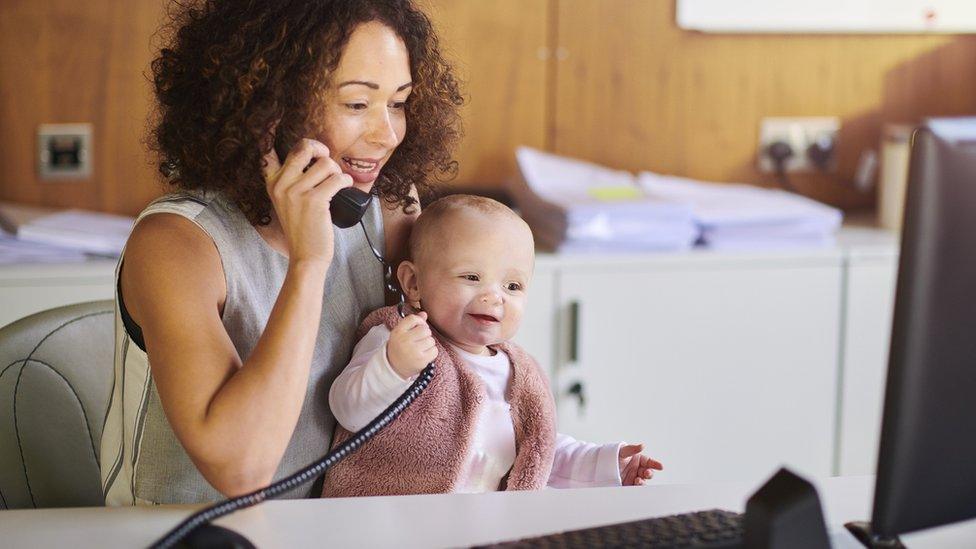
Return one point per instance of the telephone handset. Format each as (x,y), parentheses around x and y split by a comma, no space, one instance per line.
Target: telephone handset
(348,206)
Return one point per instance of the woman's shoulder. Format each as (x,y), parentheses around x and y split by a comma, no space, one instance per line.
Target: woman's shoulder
(167,255)
(185,222)
(170,227)
(164,235)
(204,208)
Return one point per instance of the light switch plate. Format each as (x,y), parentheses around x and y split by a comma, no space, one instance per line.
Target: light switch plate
(64,151)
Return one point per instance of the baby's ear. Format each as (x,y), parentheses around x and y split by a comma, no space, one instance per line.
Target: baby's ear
(407,275)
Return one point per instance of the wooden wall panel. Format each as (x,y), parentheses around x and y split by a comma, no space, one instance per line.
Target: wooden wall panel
(63,61)
(633,92)
(500,51)
(636,92)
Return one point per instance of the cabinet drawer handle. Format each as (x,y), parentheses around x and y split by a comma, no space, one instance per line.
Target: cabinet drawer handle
(574,312)
(576,389)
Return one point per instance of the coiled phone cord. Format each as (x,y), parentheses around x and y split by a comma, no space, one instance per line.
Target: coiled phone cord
(313,470)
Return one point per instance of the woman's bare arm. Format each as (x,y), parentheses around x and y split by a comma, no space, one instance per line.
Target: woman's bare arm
(234,419)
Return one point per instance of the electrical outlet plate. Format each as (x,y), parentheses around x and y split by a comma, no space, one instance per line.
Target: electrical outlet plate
(64,151)
(799,133)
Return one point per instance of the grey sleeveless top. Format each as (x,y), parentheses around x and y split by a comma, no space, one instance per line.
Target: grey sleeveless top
(142,462)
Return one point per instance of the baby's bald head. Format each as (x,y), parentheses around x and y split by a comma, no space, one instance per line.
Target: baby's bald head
(442,222)
(470,268)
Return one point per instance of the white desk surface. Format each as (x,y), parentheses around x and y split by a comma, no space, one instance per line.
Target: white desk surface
(438,520)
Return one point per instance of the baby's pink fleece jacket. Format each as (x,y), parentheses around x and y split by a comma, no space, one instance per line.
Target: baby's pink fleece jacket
(423,450)
(369,385)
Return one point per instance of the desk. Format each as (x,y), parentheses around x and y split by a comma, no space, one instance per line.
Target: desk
(438,520)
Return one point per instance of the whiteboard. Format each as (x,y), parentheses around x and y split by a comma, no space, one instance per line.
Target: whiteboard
(828,16)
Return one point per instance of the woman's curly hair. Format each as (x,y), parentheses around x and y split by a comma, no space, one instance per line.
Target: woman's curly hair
(233,71)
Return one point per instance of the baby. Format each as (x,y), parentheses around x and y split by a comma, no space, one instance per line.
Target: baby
(487,421)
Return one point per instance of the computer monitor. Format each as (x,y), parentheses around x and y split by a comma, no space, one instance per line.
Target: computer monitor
(927,461)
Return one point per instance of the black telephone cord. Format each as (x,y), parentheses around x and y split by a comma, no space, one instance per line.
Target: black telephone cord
(310,472)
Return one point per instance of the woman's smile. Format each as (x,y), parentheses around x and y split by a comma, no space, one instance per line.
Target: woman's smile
(362,170)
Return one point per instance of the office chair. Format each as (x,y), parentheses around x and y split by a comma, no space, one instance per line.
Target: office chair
(55,384)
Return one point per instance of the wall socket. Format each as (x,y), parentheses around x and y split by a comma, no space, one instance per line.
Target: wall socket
(64,151)
(799,133)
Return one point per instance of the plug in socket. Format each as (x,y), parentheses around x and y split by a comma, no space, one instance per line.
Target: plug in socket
(813,141)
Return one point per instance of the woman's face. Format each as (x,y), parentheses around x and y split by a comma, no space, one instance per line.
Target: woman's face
(365,119)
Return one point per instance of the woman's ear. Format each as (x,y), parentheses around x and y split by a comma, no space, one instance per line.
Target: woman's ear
(409,283)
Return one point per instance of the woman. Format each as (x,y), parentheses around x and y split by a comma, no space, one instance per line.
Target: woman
(238,299)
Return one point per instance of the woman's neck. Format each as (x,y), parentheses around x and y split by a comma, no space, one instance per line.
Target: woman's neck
(273,236)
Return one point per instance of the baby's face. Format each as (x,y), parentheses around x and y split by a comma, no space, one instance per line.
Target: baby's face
(473,279)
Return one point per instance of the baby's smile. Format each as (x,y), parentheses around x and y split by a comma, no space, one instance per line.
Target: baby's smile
(485,319)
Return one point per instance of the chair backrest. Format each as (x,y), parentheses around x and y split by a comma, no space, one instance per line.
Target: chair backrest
(56,376)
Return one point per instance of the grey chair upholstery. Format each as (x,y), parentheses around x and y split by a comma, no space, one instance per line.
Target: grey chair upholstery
(55,384)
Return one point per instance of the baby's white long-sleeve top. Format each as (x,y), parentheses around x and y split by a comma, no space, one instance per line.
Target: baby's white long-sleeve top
(369,384)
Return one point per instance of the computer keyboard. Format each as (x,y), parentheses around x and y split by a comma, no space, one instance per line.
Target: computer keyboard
(713,529)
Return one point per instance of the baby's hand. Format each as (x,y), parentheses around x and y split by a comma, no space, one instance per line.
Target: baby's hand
(411,346)
(635,467)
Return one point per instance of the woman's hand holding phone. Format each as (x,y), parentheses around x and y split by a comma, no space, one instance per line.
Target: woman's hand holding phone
(301,190)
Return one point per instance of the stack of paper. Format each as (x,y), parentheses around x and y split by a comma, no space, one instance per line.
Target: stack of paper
(573,205)
(747,217)
(14,251)
(83,231)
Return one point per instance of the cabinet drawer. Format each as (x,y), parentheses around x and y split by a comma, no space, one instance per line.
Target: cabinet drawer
(724,373)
